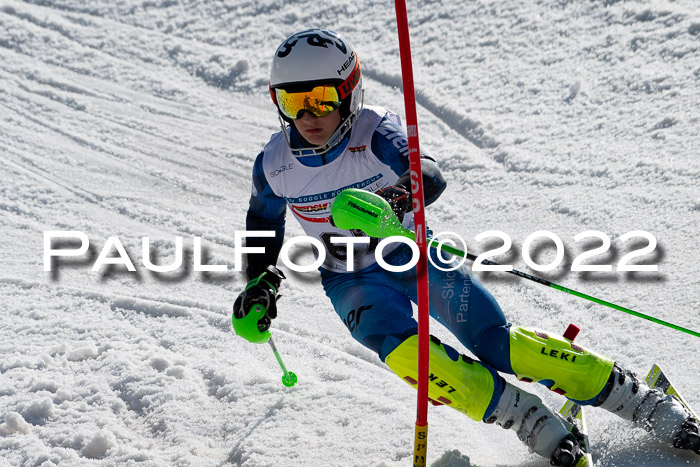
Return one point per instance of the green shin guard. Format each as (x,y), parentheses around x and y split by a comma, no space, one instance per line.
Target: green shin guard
(463,384)
(573,371)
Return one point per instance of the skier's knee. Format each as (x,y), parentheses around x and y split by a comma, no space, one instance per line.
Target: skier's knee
(558,363)
(383,344)
(455,380)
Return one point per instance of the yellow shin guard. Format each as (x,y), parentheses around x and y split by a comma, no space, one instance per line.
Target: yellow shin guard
(563,366)
(463,384)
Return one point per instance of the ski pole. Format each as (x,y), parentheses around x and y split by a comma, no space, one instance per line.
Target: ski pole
(289,379)
(539,280)
(359,209)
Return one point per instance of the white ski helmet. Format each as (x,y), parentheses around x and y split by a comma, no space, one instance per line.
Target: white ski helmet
(317,57)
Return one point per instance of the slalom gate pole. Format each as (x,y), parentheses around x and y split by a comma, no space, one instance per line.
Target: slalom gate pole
(420,445)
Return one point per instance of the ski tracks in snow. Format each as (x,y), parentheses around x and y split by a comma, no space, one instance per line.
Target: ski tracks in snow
(144,120)
(160,363)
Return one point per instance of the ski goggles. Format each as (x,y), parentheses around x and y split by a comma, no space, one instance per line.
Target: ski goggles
(320,101)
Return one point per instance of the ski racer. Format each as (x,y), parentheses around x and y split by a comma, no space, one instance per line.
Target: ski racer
(329,142)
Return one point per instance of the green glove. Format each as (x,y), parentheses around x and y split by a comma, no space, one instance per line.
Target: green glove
(256,306)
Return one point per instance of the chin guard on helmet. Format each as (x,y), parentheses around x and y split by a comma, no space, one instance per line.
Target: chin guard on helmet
(335,139)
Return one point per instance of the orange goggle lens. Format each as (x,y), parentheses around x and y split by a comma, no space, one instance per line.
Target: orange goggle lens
(320,101)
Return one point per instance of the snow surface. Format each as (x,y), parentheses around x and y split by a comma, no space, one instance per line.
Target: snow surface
(142,119)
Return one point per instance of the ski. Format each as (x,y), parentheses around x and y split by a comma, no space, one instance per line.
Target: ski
(658,379)
(573,412)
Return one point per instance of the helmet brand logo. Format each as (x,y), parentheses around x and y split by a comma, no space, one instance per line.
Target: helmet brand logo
(347,63)
(350,83)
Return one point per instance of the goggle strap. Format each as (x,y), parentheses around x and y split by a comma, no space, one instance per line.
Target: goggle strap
(272,94)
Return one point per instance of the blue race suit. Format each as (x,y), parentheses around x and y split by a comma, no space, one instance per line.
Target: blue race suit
(374,304)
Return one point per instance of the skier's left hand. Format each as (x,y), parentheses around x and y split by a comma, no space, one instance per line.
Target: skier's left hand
(399,199)
(256,306)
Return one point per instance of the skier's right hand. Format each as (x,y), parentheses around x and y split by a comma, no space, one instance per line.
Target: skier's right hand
(256,306)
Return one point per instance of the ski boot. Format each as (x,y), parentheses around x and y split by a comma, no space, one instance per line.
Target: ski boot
(544,432)
(663,415)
